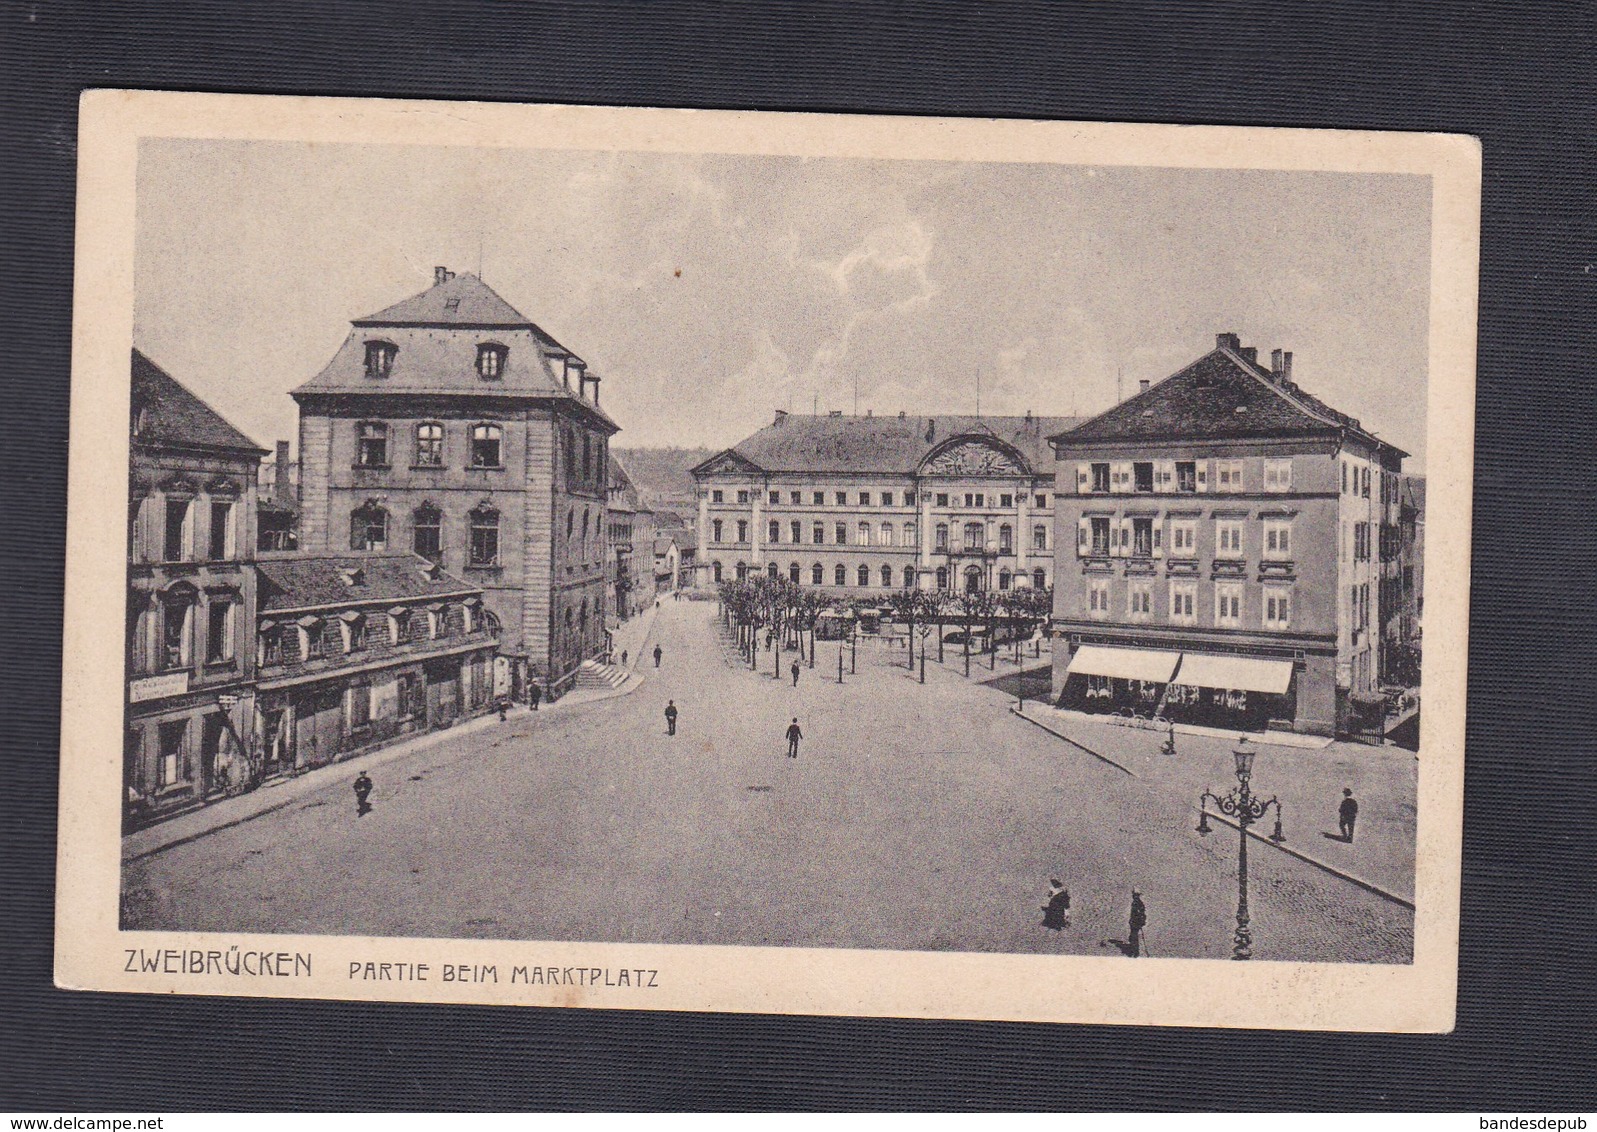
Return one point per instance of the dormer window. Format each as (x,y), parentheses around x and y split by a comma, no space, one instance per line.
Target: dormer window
(380,358)
(491,360)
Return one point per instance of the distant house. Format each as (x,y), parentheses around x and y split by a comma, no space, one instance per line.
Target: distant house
(356,649)
(277,512)
(675,559)
(628,567)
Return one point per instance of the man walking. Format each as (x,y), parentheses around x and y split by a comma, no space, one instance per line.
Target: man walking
(363,791)
(1139,920)
(793,737)
(794,669)
(670,717)
(1347,814)
(657,655)
(534,694)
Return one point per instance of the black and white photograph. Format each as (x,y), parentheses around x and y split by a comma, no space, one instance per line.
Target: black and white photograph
(767,553)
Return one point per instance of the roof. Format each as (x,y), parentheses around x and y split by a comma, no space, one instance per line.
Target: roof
(882,445)
(165,412)
(1223,395)
(460,300)
(623,495)
(1414,489)
(314,581)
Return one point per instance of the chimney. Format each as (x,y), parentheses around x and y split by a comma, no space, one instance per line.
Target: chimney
(1275,364)
(1227,341)
(442,275)
(1142,386)
(282,485)
(1251,353)
(781,417)
(1286,367)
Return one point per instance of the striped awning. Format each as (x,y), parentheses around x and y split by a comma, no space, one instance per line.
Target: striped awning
(1151,665)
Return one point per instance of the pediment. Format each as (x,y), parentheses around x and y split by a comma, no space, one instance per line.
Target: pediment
(974,456)
(729,462)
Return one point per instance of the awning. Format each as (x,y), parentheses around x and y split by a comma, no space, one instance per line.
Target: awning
(1123,664)
(1247,673)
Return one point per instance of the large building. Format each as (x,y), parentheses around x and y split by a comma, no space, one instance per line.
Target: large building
(874,504)
(358,649)
(191,599)
(629,526)
(1218,544)
(451,426)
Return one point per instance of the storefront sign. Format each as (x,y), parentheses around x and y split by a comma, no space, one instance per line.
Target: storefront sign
(154,687)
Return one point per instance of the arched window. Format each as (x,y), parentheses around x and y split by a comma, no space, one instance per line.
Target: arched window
(485,446)
(942,577)
(772,571)
(491,360)
(1039,537)
(817,575)
(972,579)
(430,445)
(864,534)
(1006,538)
(177,627)
(742,571)
(909,577)
(887,577)
(793,573)
(885,535)
(484,549)
(909,535)
(975,536)
(715,530)
(942,537)
(368,527)
(864,574)
(371,445)
(1003,579)
(840,575)
(715,570)
(427,526)
(1039,578)
(774,531)
(380,358)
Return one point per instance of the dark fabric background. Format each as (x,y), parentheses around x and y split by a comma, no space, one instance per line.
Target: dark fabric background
(1519,76)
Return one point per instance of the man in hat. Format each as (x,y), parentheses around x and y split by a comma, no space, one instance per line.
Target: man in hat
(794,669)
(1347,814)
(1139,920)
(534,694)
(658,653)
(670,717)
(363,791)
(1056,913)
(793,737)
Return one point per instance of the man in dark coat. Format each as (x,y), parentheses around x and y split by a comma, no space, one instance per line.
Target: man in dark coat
(1139,920)
(657,655)
(670,717)
(1056,913)
(363,791)
(1347,814)
(534,694)
(793,737)
(794,669)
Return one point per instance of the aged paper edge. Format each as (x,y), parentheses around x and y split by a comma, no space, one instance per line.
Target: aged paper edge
(90,950)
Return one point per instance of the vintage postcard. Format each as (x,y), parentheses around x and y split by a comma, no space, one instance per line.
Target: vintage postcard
(759,562)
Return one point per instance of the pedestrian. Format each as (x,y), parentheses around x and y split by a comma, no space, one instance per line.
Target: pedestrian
(1347,814)
(503,708)
(657,655)
(794,669)
(534,694)
(793,737)
(1139,920)
(1056,913)
(623,658)
(363,791)
(656,603)
(670,717)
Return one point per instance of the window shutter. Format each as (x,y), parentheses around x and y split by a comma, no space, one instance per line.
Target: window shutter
(1083,537)
(1203,475)
(1164,474)
(1158,539)
(1083,479)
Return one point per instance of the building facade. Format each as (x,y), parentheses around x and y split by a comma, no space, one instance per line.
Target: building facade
(871,504)
(191,599)
(452,427)
(356,650)
(628,564)
(1219,556)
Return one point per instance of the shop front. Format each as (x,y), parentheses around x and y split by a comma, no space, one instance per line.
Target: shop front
(1118,681)
(1240,693)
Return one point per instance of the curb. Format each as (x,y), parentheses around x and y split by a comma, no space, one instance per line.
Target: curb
(1073,743)
(1368,886)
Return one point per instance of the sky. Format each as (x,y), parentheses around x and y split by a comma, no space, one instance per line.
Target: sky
(710,290)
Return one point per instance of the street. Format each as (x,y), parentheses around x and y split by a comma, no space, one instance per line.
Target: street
(915,818)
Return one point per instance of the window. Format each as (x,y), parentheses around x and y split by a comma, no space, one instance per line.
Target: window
(884,536)
(715,530)
(793,573)
(909,577)
(491,360)
(1006,500)
(1042,501)
(887,499)
(1039,578)
(1228,605)
(1142,475)
(484,537)
(817,575)
(942,577)
(840,575)
(887,577)
(1228,538)
(1361,541)
(587,457)
(380,358)
(742,571)
(1277,540)
(1098,599)
(1364,475)
(864,533)
(1004,579)
(409,695)
(795,497)
(840,498)
(743,496)
(177,622)
(1229,474)
(717,496)
(1142,537)
(173,737)
(429,446)
(1139,604)
(368,528)
(219,632)
(775,497)
(840,534)
(773,531)
(485,445)
(1183,603)
(864,499)
(1278,475)
(864,574)
(221,531)
(796,528)
(176,548)
(817,533)
(1183,538)
(818,498)
(1006,539)
(427,532)
(910,535)
(371,447)
(1344,477)
(1277,607)
(1102,547)
(975,536)
(942,537)
(1039,537)
(1100,477)
(743,530)
(360,705)
(1186,476)
(942,499)
(771,570)
(715,570)
(909,499)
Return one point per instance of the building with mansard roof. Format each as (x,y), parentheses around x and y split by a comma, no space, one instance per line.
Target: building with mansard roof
(451,426)
(1223,542)
(867,505)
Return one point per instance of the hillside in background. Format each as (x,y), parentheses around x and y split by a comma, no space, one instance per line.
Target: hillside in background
(661,474)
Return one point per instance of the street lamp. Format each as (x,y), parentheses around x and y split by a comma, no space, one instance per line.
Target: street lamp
(1246,809)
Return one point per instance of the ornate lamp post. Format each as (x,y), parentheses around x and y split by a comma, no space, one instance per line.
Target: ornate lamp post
(1246,809)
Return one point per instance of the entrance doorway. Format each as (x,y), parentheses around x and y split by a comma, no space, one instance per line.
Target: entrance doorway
(973,579)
